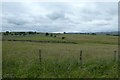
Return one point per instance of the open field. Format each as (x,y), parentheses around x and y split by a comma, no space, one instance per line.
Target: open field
(0,59)
(59,60)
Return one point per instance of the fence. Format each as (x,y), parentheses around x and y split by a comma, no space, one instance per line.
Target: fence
(115,58)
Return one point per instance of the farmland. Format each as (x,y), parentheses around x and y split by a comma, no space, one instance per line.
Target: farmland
(59,57)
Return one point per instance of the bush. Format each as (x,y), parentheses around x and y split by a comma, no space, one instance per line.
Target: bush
(47,34)
(63,37)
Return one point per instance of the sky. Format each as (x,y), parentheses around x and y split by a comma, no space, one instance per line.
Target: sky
(60,16)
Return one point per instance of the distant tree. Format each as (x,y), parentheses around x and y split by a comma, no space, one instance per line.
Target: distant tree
(16,33)
(54,35)
(30,32)
(7,32)
(107,34)
(22,33)
(12,34)
(47,34)
(64,32)
(4,34)
(116,35)
(51,35)
(93,33)
(63,37)
(35,32)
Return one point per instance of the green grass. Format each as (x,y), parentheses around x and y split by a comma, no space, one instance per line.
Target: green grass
(98,39)
(78,38)
(21,59)
(0,56)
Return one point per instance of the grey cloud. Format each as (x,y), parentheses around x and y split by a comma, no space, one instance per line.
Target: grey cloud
(102,24)
(16,19)
(60,17)
(56,16)
(15,8)
(16,22)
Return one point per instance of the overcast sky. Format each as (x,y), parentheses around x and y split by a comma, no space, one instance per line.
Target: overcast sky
(60,16)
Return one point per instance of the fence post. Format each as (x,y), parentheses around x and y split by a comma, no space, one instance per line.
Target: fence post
(81,57)
(40,55)
(115,56)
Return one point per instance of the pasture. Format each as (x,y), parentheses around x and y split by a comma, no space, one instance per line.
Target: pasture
(60,58)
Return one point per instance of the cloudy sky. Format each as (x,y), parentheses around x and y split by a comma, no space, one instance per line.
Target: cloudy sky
(60,16)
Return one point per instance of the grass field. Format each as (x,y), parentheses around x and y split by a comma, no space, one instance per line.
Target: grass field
(60,60)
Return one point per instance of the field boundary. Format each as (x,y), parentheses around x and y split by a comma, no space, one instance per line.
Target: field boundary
(41,41)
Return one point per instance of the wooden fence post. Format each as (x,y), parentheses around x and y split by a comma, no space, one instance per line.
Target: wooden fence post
(115,56)
(81,57)
(40,55)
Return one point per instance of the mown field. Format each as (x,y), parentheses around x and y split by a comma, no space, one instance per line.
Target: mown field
(59,57)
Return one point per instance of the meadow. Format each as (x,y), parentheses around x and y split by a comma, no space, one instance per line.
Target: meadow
(0,61)
(60,58)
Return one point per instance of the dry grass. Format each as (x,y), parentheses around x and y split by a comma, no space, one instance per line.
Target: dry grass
(21,59)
